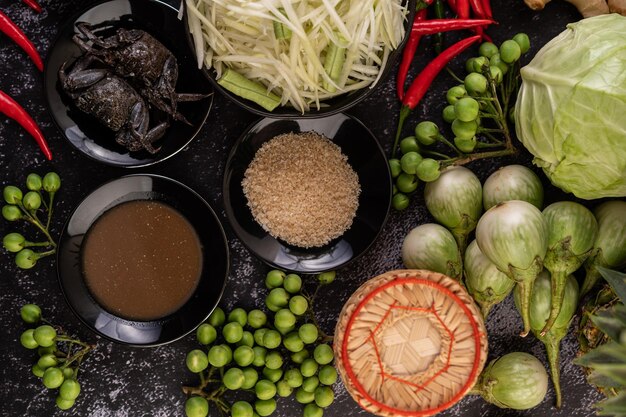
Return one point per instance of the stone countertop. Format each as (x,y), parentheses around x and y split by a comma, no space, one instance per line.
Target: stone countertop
(123,381)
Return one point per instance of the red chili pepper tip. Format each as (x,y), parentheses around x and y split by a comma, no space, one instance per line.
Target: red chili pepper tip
(13,110)
(9,28)
(33,5)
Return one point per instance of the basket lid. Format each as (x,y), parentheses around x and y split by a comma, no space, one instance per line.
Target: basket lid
(410,343)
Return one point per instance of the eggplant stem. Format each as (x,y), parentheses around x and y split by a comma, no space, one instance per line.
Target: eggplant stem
(485,308)
(552,345)
(525,291)
(591,278)
(461,240)
(558,280)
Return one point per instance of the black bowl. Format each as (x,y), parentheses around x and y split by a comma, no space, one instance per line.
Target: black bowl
(215,262)
(367,159)
(85,133)
(335,105)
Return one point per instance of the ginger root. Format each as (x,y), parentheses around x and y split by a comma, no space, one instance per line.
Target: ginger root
(617,6)
(587,8)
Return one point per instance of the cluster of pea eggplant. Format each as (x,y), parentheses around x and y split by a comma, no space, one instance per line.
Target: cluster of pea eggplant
(518,246)
(480,105)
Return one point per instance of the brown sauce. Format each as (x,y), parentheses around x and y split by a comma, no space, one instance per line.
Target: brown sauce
(142,260)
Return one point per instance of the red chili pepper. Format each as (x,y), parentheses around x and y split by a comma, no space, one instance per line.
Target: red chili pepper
(478,8)
(408,53)
(462,9)
(430,27)
(15,33)
(422,82)
(12,109)
(487,8)
(452,4)
(33,5)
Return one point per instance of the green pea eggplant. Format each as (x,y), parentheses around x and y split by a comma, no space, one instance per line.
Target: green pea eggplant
(540,311)
(485,283)
(572,230)
(514,236)
(609,249)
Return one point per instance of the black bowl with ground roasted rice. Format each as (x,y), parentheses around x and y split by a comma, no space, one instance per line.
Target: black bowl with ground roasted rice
(365,157)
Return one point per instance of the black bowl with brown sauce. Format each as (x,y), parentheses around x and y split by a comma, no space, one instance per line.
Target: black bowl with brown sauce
(143,260)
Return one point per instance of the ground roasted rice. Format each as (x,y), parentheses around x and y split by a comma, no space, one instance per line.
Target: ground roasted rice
(301,189)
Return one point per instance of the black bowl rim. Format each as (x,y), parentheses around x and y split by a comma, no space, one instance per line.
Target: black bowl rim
(57,37)
(222,289)
(290,114)
(228,209)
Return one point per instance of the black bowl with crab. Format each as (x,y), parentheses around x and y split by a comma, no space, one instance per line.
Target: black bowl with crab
(89,135)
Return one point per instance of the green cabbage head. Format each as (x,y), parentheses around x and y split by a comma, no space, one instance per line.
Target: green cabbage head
(571,109)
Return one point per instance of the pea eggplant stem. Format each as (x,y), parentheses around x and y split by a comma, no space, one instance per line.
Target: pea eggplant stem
(51,200)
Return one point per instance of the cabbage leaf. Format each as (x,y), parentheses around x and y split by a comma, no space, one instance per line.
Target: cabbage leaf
(571,109)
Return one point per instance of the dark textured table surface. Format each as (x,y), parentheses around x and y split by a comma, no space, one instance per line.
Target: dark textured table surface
(123,381)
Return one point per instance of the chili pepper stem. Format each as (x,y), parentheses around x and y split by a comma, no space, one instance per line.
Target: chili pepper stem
(453,75)
(404,113)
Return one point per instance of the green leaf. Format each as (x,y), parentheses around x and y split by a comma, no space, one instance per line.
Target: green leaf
(602,381)
(617,280)
(620,312)
(611,353)
(616,372)
(615,406)
(608,323)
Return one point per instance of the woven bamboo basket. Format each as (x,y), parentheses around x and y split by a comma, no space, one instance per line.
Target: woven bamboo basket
(410,343)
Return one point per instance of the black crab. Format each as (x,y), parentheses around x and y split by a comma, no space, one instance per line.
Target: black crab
(113,102)
(137,56)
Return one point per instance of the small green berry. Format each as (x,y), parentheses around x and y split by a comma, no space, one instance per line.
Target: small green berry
(51,182)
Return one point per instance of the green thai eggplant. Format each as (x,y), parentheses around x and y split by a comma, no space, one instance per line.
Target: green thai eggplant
(609,249)
(513,182)
(432,247)
(485,283)
(572,230)
(514,236)
(540,311)
(455,200)
(516,380)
